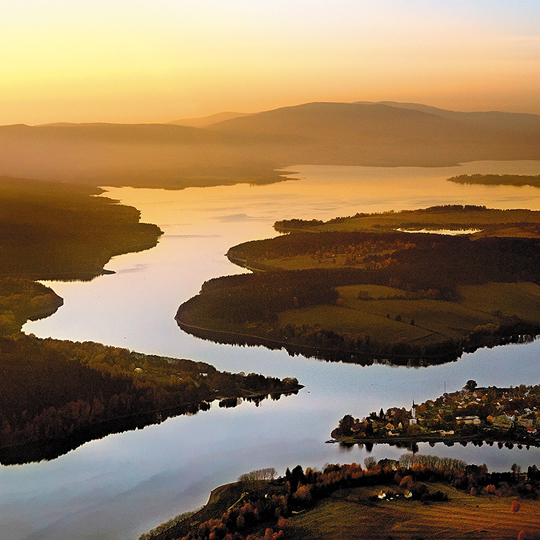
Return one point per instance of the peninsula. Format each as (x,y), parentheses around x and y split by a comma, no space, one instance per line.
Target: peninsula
(344,290)
(417,496)
(53,230)
(494,415)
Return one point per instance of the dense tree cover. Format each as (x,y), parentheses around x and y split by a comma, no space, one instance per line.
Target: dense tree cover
(50,230)
(245,308)
(54,390)
(22,300)
(498,179)
(261,296)
(324,244)
(55,395)
(410,260)
(262,512)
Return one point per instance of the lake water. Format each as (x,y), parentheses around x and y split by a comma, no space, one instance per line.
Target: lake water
(121,486)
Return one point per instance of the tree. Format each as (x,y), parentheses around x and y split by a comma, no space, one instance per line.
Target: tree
(470,385)
(370,462)
(346,424)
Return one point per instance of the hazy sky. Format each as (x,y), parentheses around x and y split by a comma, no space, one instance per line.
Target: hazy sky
(159,60)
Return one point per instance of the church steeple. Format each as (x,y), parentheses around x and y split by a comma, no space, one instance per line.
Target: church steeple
(413,414)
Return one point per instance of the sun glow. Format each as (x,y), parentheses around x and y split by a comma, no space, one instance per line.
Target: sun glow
(143,61)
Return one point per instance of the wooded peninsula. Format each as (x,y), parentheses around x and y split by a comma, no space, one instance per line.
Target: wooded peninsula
(340,291)
(50,230)
(498,179)
(56,395)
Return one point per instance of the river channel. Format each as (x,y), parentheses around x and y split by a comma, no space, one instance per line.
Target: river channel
(123,485)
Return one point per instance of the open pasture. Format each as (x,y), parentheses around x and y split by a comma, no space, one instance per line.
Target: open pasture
(350,514)
(387,316)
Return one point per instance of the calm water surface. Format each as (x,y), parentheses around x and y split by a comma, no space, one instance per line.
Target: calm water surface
(125,484)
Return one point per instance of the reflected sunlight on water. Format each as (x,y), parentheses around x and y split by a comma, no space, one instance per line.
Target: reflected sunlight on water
(125,484)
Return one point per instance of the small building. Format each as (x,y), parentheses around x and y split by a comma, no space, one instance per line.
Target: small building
(475,420)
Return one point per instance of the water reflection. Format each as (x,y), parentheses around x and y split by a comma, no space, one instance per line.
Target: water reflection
(123,485)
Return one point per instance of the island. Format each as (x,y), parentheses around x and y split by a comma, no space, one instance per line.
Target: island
(498,179)
(56,395)
(474,414)
(416,496)
(367,289)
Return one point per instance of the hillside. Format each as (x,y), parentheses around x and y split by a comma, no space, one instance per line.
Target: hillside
(391,134)
(139,155)
(229,148)
(418,497)
(204,121)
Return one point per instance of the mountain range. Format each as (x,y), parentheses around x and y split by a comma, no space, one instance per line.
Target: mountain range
(231,147)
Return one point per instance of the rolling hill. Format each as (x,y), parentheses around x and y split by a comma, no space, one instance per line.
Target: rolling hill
(247,148)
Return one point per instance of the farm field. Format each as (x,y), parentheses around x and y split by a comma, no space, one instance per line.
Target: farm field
(351,514)
(390,320)
(489,221)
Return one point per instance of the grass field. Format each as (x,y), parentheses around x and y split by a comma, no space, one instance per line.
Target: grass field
(389,320)
(350,514)
(508,298)
(488,221)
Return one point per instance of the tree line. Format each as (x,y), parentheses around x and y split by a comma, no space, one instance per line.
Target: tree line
(263,512)
(50,230)
(57,390)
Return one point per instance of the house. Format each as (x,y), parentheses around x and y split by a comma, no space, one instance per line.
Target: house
(475,420)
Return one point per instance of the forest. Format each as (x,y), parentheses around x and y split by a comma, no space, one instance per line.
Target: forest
(51,230)
(60,393)
(498,179)
(56,395)
(334,309)
(294,506)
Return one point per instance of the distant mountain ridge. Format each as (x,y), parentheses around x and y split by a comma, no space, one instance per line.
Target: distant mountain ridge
(206,121)
(521,121)
(392,134)
(236,147)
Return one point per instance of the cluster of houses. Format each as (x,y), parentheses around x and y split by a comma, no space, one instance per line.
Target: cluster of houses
(511,413)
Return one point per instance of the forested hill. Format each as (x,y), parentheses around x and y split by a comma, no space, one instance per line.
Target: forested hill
(248,148)
(50,230)
(391,134)
(56,395)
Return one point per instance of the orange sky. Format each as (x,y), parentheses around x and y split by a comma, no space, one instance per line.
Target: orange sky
(160,60)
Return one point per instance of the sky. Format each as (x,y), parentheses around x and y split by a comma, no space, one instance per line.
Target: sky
(160,60)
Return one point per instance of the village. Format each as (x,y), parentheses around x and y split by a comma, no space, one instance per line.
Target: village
(502,415)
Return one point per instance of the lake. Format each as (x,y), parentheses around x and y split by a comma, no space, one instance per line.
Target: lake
(123,485)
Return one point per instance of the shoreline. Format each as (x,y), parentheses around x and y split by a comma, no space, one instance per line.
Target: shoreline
(48,449)
(448,440)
